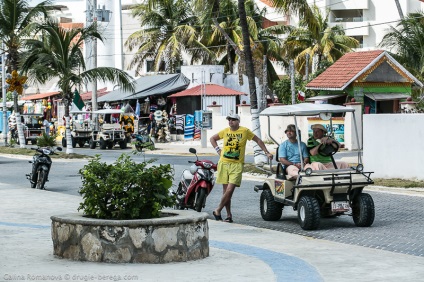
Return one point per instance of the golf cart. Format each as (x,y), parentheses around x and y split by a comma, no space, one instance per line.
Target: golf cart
(81,129)
(109,134)
(316,193)
(32,128)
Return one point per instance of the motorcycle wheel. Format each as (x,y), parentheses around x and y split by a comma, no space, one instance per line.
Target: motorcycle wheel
(33,181)
(200,200)
(179,202)
(41,179)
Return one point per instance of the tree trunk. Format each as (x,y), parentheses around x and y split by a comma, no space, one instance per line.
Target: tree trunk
(69,149)
(19,125)
(260,158)
(229,59)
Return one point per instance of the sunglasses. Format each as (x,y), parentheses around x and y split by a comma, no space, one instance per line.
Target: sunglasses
(232,119)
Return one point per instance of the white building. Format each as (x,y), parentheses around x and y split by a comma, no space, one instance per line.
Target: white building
(366,20)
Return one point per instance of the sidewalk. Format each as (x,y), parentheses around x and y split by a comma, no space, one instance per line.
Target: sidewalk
(237,252)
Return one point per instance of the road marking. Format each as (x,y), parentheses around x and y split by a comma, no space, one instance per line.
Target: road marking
(285,267)
(24,225)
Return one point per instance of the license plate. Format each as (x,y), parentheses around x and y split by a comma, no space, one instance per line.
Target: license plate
(339,206)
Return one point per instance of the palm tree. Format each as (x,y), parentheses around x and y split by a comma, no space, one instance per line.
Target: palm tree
(58,53)
(326,43)
(168,29)
(218,35)
(16,24)
(406,42)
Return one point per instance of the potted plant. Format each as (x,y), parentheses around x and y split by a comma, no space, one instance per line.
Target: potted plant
(123,219)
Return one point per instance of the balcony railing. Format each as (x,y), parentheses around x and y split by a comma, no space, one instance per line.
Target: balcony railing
(349,19)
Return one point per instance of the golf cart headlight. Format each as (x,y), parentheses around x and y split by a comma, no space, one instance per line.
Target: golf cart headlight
(308,171)
(359,168)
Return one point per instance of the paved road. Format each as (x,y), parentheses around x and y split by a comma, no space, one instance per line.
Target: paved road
(397,226)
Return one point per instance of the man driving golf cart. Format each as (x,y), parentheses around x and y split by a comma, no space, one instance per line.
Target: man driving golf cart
(318,143)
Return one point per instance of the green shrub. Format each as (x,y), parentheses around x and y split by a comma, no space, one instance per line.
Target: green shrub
(125,189)
(46,140)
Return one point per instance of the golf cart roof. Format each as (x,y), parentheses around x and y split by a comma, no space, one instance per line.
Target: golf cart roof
(80,112)
(108,111)
(304,109)
(33,115)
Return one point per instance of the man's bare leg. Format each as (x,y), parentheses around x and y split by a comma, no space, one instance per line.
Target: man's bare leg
(226,198)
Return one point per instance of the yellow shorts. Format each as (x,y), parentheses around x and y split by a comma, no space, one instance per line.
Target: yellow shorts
(229,173)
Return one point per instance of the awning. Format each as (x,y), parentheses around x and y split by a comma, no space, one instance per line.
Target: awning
(40,96)
(386,96)
(210,90)
(324,97)
(150,86)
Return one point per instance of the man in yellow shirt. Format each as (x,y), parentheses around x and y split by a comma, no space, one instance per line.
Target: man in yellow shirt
(230,165)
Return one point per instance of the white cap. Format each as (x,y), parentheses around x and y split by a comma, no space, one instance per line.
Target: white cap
(234,116)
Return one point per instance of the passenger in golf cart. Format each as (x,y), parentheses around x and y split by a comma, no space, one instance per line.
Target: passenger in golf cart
(291,157)
(321,149)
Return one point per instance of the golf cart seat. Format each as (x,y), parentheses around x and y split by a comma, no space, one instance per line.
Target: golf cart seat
(111,126)
(281,169)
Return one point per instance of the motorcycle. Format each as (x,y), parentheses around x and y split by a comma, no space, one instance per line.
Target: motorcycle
(195,185)
(41,163)
(143,140)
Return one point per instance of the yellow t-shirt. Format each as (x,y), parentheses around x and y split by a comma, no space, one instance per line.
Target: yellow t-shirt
(234,144)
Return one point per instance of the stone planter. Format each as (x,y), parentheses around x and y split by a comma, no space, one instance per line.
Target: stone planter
(176,236)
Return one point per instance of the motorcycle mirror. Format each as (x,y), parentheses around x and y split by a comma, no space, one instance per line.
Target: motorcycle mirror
(192,150)
(59,148)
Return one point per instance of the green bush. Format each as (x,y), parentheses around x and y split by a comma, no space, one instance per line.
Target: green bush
(125,189)
(46,140)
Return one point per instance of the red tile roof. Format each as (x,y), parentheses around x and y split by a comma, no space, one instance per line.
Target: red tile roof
(88,95)
(210,89)
(267,2)
(40,96)
(340,74)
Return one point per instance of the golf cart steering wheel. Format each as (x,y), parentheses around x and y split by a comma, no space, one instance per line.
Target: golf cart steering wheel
(328,150)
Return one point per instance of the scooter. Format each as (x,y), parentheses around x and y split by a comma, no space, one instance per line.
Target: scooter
(195,185)
(143,140)
(41,163)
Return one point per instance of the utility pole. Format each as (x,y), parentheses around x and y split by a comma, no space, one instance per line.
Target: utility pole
(399,8)
(3,91)
(203,132)
(94,65)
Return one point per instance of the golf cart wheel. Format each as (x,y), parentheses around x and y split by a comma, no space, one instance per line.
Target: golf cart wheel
(363,211)
(110,145)
(102,144)
(308,213)
(73,142)
(270,209)
(92,144)
(81,143)
(34,142)
(123,144)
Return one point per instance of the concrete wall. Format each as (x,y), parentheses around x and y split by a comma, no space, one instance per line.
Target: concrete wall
(393,145)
